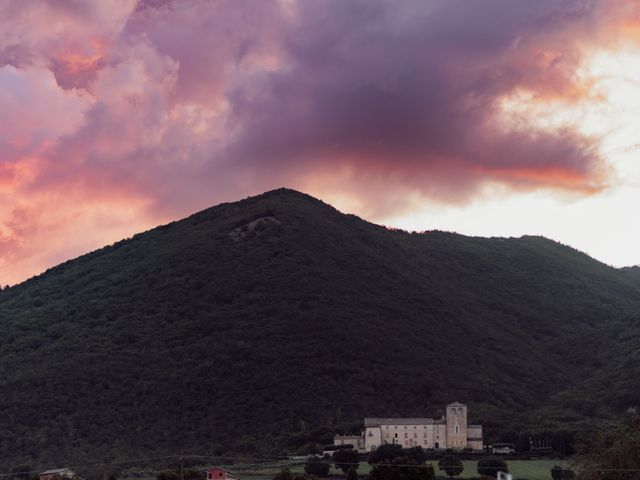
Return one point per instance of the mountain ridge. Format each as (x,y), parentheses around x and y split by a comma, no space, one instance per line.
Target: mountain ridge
(631,269)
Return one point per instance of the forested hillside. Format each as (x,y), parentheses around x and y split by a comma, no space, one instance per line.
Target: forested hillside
(266,325)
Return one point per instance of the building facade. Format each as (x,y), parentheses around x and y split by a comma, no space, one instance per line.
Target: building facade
(451,431)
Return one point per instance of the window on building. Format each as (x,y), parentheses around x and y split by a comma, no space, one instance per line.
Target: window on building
(405,435)
(415,435)
(457,429)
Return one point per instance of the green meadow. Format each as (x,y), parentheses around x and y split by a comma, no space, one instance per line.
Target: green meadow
(520,469)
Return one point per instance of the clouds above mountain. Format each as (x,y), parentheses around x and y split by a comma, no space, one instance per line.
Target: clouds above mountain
(120,114)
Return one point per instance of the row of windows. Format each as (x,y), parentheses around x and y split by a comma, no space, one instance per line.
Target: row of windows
(395,427)
(415,435)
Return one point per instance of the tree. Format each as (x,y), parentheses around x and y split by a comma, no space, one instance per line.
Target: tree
(451,465)
(402,468)
(556,472)
(417,454)
(385,452)
(317,466)
(352,474)
(490,466)
(346,459)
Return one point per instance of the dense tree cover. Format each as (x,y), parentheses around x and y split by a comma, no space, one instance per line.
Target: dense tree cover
(490,466)
(266,326)
(614,455)
(451,465)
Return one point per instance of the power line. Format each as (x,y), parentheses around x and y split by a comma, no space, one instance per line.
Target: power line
(102,464)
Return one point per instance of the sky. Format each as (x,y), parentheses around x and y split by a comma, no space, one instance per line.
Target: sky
(484,117)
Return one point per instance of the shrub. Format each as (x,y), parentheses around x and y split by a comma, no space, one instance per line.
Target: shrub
(317,466)
(385,453)
(346,459)
(452,466)
(402,468)
(490,466)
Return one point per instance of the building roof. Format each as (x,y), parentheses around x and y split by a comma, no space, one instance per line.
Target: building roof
(227,472)
(371,422)
(456,404)
(55,470)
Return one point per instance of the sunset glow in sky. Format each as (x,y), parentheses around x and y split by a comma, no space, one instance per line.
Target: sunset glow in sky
(486,117)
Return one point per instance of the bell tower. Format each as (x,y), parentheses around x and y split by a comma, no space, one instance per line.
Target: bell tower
(456,417)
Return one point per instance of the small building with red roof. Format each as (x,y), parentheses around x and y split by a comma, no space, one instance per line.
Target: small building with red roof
(217,473)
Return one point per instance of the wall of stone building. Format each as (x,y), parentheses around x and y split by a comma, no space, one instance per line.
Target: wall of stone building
(440,435)
(456,416)
(372,438)
(356,440)
(429,437)
(475,444)
(408,435)
(474,437)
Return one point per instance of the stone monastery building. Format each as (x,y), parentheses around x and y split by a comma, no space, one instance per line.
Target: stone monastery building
(452,431)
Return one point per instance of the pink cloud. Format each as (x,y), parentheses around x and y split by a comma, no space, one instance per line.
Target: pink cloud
(121,114)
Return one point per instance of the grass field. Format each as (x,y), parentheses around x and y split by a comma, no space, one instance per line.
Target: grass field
(529,469)
(520,469)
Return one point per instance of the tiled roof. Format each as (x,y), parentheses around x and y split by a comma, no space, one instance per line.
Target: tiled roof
(370,422)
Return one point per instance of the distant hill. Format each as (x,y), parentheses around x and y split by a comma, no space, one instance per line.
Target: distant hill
(266,325)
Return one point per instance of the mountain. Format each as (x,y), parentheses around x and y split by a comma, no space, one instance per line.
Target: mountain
(266,325)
